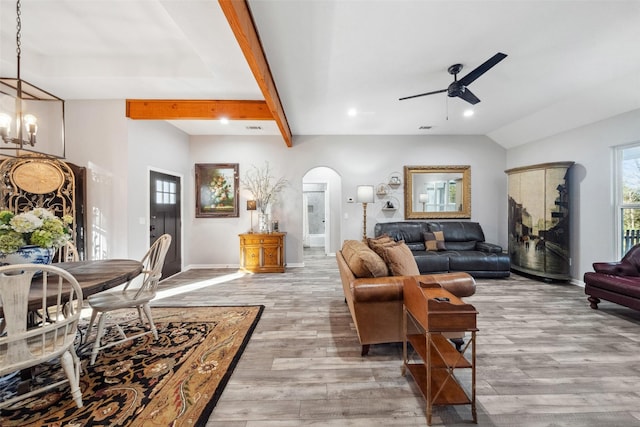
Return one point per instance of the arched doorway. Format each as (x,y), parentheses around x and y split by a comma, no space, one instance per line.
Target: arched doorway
(322,210)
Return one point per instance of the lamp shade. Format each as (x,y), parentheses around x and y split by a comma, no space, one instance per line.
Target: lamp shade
(364,194)
(422,198)
(251,205)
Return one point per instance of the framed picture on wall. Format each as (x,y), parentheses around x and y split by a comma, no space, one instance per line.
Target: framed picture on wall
(217,190)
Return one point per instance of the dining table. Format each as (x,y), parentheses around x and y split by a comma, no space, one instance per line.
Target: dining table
(93,276)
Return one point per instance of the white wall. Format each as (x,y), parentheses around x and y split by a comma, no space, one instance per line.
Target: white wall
(118,154)
(97,138)
(158,146)
(592,210)
(358,160)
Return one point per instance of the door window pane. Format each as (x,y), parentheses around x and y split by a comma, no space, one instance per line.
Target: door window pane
(165,192)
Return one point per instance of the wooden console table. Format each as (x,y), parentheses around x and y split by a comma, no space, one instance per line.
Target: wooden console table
(262,252)
(435,311)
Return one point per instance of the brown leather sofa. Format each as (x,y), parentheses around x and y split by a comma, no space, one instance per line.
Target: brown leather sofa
(375,303)
(617,282)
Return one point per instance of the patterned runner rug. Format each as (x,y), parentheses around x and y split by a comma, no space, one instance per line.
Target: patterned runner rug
(174,381)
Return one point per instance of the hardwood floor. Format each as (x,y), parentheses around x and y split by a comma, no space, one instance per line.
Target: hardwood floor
(544,358)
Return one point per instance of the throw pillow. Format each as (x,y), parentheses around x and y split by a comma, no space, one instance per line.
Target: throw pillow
(362,261)
(400,260)
(434,241)
(378,243)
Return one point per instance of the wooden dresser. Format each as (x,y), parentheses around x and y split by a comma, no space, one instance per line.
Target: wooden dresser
(262,252)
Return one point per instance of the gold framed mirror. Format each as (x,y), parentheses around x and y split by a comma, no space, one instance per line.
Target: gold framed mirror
(437,192)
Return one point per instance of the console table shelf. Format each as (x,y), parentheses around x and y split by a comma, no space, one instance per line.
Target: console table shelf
(434,312)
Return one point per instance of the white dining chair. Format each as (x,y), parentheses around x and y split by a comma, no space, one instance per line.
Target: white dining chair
(68,253)
(27,341)
(137,294)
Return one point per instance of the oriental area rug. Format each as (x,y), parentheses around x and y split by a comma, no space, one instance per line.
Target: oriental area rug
(174,381)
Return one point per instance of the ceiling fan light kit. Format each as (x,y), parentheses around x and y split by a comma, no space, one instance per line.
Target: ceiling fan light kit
(459,88)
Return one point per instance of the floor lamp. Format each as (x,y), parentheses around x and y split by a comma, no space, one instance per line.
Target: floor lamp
(251,206)
(364,195)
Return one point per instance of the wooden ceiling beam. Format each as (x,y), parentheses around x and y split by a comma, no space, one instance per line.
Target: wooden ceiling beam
(242,25)
(166,109)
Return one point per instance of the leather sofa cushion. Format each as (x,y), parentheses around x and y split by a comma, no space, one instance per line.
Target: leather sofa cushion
(458,231)
(410,232)
(400,260)
(362,261)
(477,261)
(468,245)
(431,261)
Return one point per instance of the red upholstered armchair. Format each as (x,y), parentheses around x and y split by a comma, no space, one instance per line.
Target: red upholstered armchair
(617,282)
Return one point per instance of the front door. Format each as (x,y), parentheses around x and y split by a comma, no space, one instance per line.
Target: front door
(165,217)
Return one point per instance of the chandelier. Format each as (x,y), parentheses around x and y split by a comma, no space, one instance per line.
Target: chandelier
(28,114)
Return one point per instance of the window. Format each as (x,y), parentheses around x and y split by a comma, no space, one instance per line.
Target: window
(165,192)
(628,195)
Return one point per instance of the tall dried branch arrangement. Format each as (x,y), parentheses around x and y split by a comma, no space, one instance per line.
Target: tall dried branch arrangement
(263,186)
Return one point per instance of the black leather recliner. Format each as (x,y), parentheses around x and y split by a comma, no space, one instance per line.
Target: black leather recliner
(466,248)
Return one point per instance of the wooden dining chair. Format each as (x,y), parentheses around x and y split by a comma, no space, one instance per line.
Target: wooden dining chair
(27,343)
(137,293)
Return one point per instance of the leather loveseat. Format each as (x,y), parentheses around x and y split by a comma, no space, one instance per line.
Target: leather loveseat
(464,247)
(375,303)
(617,282)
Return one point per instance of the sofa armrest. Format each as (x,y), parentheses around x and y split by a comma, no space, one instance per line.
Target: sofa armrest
(459,284)
(489,247)
(377,289)
(616,268)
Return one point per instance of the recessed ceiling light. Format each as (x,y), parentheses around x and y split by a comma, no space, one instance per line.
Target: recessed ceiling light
(468,113)
(352,112)
(224,121)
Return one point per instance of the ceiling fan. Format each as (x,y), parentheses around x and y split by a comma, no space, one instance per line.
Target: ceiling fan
(459,87)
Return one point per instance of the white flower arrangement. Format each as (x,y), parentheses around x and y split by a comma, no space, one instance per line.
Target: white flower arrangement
(263,186)
(38,227)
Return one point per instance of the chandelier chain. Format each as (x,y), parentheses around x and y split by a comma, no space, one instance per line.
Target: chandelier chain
(18,28)
(18,34)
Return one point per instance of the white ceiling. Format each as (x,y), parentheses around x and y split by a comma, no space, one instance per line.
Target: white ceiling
(570,62)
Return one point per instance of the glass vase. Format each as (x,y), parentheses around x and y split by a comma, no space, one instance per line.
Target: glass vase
(263,223)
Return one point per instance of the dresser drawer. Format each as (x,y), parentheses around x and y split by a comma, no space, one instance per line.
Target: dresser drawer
(261,240)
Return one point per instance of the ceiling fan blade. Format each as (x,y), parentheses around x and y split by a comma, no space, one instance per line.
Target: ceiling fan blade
(468,96)
(481,69)
(423,94)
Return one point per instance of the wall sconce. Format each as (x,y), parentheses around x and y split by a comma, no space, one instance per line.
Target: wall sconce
(27,111)
(364,195)
(251,206)
(422,198)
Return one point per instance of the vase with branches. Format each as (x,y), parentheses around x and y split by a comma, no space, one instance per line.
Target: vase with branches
(264,188)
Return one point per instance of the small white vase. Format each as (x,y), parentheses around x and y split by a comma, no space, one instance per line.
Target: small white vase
(28,255)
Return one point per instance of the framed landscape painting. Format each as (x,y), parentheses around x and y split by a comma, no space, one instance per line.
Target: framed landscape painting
(217,190)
